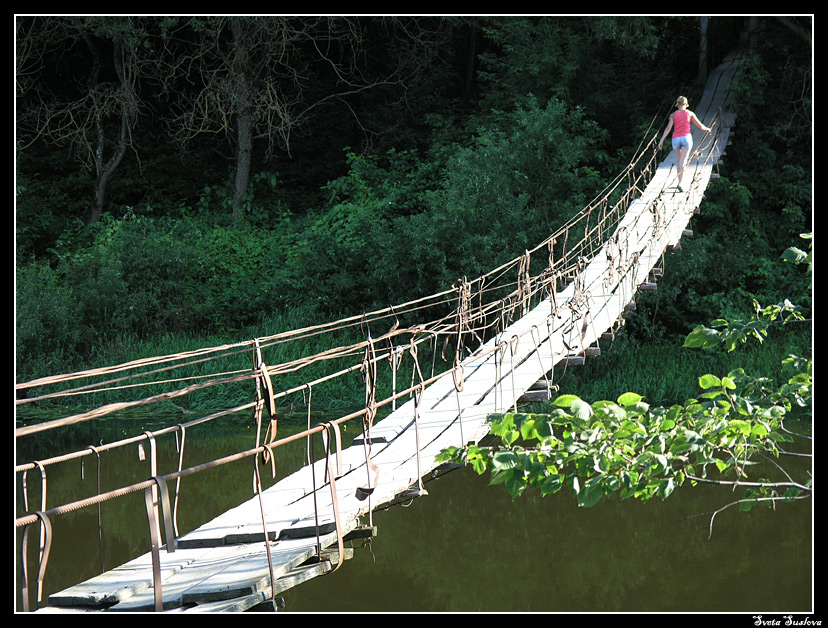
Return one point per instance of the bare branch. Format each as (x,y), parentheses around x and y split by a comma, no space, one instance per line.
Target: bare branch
(742,501)
(738,483)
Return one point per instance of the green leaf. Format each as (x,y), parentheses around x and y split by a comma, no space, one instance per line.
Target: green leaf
(509,437)
(565,401)
(574,485)
(702,338)
(447,454)
(600,464)
(545,430)
(527,429)
(688,441)
(502,424)
(638,409)
(551,484)
(661,462)
(633,427)
(742,406)
(515,485)
(608,409)
(665,488)
(774,412)
(504,459)
(748,505)
(794,255)
(591,494)
(709,381)
(500,477)
(629,399)
(581,409)
(741,425)
(479,465)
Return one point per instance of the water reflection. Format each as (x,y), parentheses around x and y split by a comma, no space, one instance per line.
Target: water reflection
(466,546)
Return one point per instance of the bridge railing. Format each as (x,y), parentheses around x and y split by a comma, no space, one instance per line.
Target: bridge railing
(393,357)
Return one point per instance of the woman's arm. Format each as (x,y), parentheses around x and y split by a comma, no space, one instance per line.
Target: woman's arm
(666,131)
(698,123)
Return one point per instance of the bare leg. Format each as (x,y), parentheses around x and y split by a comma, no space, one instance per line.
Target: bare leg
(681,156)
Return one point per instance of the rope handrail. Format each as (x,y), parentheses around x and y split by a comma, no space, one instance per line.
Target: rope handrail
(564,265)
(478,310)
(301,333)
(71,507)
(478,318)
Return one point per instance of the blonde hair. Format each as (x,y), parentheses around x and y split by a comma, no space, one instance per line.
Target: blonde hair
(681,100)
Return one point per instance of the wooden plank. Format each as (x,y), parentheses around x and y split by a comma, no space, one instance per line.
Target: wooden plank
(224,573)
(187,573)
(295,577)
(125,581)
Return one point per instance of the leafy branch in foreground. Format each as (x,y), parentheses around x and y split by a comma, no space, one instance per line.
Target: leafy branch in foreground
(627,448)
(733,333)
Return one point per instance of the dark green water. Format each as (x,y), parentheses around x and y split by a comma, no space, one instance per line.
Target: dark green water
(466,547)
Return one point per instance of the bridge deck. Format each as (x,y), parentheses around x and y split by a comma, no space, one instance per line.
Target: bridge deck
(223,565)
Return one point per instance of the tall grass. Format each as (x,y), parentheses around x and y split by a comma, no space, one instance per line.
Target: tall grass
(344,391)
(667,373)
(662,371)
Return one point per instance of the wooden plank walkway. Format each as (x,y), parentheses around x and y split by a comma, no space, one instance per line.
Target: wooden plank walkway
(223,565)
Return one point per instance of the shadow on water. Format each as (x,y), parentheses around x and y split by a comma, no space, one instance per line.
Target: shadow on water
(466,546)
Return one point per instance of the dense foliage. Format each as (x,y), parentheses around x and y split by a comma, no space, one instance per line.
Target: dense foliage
(402,154)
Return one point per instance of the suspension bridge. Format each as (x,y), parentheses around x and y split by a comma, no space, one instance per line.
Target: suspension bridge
(498,336)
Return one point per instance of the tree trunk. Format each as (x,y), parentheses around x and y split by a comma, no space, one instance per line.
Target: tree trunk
(703,50)
(105,169)
(470,61)
(104,172)
(243,156)
(101,182)
(244,140)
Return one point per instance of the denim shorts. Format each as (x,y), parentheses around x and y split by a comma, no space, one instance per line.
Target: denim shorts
(685,141)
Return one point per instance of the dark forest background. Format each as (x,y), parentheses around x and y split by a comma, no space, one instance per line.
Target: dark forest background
(231,176)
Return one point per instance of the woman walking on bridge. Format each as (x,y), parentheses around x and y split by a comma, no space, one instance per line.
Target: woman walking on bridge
(682,139)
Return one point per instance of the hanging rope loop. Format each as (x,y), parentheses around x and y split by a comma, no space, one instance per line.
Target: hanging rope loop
(329,470)
(43,559)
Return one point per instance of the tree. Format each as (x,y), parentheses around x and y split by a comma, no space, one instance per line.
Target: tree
(78,83)
(627,448)
(257,78)
(583,62)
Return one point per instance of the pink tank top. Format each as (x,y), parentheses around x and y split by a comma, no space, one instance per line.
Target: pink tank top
(681,123)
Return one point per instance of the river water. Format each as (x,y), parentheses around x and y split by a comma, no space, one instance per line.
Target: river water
(465,547)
